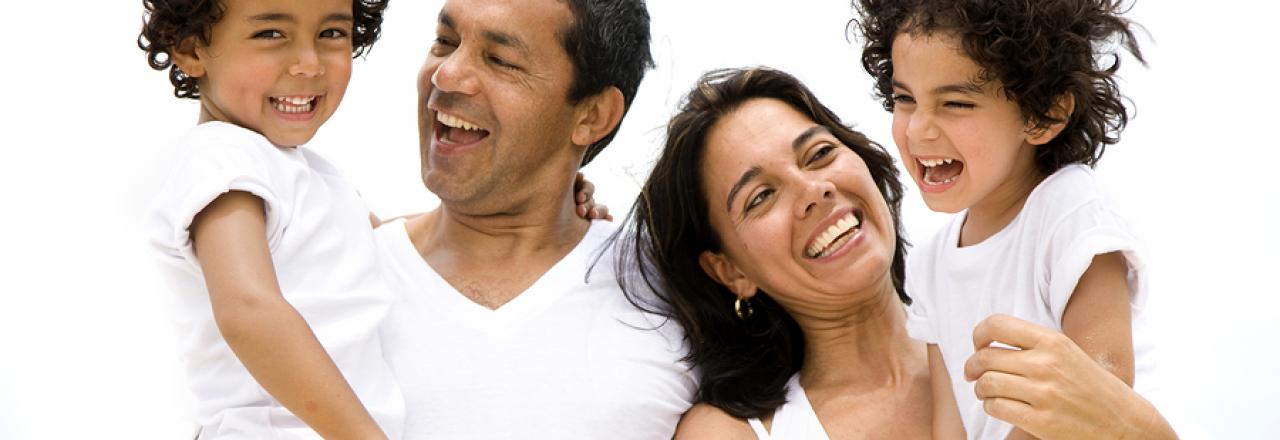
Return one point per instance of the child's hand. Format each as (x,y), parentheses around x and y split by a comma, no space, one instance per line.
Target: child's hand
(583,189)
(1050,388)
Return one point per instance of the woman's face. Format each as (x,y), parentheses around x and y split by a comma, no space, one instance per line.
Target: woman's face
(797,211)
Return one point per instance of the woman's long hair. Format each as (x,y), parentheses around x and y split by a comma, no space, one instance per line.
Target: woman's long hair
(743,364)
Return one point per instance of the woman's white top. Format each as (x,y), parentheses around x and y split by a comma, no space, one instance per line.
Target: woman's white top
(794,420)
(325,258)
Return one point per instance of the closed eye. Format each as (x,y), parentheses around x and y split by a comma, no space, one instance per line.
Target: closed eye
(502,63)
(959,105)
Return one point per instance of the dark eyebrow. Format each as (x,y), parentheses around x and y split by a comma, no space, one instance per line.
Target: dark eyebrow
(280,16)
(803,138)
(967,88)
(737,186)
(496,37)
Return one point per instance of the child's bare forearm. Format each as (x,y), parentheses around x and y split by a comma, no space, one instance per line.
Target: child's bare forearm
(946,413)
(283,355)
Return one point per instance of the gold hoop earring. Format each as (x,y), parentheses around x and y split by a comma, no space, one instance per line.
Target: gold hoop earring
(742,308)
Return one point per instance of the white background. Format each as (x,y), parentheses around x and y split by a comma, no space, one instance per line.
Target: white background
(86,348)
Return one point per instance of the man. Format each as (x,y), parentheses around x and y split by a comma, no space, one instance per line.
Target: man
(512,324)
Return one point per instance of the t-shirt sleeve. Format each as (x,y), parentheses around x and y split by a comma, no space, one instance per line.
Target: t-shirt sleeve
(213,160)
(1091,230)
(920,323)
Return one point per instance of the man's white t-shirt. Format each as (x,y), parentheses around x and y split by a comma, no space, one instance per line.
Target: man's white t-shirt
(325,259)
(569,358)
(1028,270)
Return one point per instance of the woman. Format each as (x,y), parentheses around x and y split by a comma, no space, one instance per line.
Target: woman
(771,233)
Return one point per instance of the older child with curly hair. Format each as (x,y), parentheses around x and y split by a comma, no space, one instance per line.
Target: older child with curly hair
(1000,109)
(269,249)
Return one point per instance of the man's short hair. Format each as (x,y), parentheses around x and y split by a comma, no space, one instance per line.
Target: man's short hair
(608,44)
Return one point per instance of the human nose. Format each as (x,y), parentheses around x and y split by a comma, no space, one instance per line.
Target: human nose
(307,64)
(454,74)
(921,126)
(816,193)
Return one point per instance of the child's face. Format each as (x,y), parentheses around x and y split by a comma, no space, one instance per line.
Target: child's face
(278,67)
(965,144)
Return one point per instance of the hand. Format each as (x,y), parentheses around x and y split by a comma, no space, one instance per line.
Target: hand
(1050,388)
(583,189)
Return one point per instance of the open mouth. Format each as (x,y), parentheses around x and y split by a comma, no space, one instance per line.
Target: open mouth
(940,171)
(294,104)
(454,130)
(835,236)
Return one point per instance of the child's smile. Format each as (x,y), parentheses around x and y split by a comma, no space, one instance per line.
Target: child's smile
(966,144)
(277,67)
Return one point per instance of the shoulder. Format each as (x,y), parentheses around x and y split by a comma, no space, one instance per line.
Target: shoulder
(1066,190)
(705,421)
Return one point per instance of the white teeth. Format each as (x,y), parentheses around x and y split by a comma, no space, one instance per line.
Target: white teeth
(293,104)
(930,163)
(455,122)
(823,245)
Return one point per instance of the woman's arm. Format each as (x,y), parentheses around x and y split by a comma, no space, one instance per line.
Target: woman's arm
(266,333)
(946,413)
(1052,389)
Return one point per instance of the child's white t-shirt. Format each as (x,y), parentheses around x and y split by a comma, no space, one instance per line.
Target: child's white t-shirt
(1028,270)
(569,358)
(325,259)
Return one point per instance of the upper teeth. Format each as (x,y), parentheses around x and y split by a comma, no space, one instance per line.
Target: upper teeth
(849,221)
(293,104)
(455,122)
(935,162)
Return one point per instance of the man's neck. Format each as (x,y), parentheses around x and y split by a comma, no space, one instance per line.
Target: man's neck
(493,257)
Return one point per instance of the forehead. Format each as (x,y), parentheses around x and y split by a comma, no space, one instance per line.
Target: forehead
(758,130)
(242,8)
(935,55)
(536,24)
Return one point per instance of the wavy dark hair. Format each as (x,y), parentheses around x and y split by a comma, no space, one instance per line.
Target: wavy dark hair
(1039,50)
(743,365)
(168,24)
(608,44)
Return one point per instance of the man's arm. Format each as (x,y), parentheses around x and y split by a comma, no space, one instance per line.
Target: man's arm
(266,333)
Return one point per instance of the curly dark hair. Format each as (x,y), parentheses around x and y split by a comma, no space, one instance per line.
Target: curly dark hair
(608,44)
(743,365)
(167,24)
(1039,50)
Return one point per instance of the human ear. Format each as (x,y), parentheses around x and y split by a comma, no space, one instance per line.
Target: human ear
(597,116)
(187,57)
(727,274)
(1062,112)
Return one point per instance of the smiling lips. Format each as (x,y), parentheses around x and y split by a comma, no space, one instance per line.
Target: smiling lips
(835,235)
(294,104)
(940,171)
(455,130)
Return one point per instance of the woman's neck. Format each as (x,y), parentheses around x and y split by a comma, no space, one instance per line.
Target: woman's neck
(866,347)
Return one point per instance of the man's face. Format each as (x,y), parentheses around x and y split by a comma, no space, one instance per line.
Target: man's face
(494,119)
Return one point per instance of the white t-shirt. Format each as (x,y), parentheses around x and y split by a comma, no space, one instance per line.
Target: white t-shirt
(1028,270)
(325,259)
(569,358)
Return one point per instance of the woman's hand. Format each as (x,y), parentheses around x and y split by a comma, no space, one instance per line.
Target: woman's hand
(1050,388)
(583,189)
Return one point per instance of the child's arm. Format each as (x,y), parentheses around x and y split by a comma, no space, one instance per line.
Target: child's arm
(266,333)
(1097,317)
(946,413)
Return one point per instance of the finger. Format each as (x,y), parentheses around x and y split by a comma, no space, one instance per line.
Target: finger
(582,211)
(601,212)
(997,384)
(1008,330)
(1014,411)
(994,358)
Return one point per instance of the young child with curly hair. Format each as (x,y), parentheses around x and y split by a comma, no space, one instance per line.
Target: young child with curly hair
(1000,109)
(269,250)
